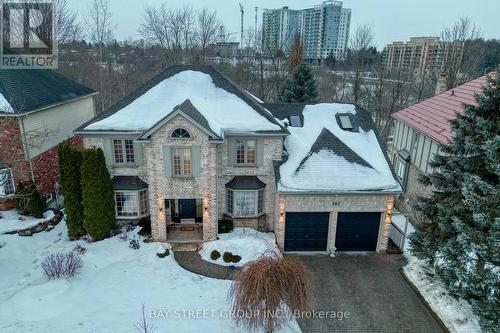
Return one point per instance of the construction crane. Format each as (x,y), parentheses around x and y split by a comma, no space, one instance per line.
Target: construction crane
(242,12)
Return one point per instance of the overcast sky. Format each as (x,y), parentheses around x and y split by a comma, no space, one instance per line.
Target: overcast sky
(392,20)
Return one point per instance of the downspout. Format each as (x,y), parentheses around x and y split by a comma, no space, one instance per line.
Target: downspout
(26,150)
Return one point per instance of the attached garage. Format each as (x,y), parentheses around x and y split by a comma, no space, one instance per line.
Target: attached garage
(357,231)
(306,231)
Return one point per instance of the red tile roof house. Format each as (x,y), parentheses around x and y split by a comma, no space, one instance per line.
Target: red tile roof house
(419,132)
(38,109)
(190,147)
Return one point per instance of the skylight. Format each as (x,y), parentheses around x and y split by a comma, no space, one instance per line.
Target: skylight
(295,121)
(345,122)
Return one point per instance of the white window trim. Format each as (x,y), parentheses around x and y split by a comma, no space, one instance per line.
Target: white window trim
(138,204)
(124,151)
(2,184)
(256,194)
(181,137)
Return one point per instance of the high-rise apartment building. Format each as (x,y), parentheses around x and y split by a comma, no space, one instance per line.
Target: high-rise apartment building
(323,29)
(421,55)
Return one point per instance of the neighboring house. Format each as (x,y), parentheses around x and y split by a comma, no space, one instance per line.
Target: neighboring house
(38,109)
(419,132)
(190,147)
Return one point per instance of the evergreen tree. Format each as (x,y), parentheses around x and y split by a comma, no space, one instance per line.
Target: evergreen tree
(98,195)
(70,160)
(301,88)
(21,199)
(34,204)
(460,231)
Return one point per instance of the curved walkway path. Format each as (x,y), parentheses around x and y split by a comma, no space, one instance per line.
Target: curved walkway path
(192,262)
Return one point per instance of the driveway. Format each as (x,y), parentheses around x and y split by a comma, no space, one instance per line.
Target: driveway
(371,288)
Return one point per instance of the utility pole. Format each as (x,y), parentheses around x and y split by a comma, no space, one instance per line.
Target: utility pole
(242,12)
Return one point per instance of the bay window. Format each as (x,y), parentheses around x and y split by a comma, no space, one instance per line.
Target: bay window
(245,203)
(131,203)
(6,182)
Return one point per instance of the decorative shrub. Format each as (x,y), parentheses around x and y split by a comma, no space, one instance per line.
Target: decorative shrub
(62,264)
(225,225)
(236,258)
(264,286)
(227,257)
(214,255)
(123,235)
(21,198)
(134,244)
(79,249)
(164,254)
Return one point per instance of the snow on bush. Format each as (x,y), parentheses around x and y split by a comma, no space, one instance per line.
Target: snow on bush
(58,265)
(244,243)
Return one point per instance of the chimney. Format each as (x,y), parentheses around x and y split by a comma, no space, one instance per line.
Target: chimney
(441,84)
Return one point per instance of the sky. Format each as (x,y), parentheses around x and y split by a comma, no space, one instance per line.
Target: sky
(392,20)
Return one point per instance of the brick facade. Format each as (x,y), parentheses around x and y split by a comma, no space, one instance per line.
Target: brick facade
(44,166)
(412,191)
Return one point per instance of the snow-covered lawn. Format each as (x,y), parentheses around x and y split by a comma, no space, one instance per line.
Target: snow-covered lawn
(108,294)
(245,242)
(12,221)
(456,314)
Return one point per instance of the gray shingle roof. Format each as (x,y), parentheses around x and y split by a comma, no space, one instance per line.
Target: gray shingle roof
(219,79)
(128,183)
(29,90)
(245,183)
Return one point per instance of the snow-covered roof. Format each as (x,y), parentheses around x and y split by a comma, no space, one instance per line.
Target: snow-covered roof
(225,106)
(5,105)
(323,157)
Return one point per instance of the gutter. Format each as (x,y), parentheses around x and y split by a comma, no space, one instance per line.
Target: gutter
(340,193)
(47,106)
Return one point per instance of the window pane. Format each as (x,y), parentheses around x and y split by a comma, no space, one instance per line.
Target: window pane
(6,182)
(143,202)
(250,149)
(118,151)
(129,151)
(230,201)
(245,203)
(240,152)
(260,207)
(126,203)
(187,161)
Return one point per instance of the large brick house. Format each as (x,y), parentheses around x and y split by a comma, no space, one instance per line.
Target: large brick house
(190,147)
(419,133)
(38,109)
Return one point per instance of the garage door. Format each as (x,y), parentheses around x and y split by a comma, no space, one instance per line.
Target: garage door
(306,231)
(357,231)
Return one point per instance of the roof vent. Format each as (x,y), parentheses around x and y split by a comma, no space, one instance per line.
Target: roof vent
(345,121)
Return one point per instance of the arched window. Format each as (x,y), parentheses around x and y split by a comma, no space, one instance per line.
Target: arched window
(180,133)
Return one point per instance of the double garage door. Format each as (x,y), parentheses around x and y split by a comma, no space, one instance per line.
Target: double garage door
(308,231)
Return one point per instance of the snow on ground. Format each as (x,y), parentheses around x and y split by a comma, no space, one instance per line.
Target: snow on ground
(12,221)
(245,242)
(108,294)
(324,170)
(222,109)
(456,314)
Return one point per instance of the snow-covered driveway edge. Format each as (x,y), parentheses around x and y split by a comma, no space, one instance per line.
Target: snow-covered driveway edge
(12,221)
(455,315)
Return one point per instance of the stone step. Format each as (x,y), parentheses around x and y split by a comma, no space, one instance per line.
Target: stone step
(186,247)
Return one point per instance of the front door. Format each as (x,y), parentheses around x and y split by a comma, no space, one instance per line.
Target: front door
(187,209)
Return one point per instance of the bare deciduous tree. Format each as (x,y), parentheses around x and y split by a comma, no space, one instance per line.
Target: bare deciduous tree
(207,30)
(452,41)
(361,40)
(68,28)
